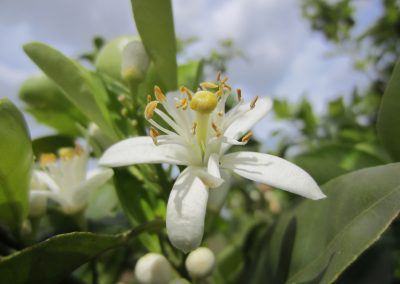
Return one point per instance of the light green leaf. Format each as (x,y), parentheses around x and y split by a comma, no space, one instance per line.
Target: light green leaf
(155,25)
(15,165)
(54,259)
(49,106)
(189,74)
(389,118)
(317,240)
(83,88)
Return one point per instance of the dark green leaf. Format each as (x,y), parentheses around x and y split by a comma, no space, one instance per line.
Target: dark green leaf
(54,259)
(51,144)
(81,87)
(389,118)
(155,25)
(317,240)
(15,165)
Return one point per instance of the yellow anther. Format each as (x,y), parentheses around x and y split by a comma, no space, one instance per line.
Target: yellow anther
(159,94)
(253,103)
(204,102)
(226,86)
(47,158)
(219,92)
(67,153)
(219,76)
(220,113)
(239,94)
(208,85)
(216,129)
(149,111)
(153,134)
(183,103)
(226,78)
(148,98)
(186,91)
(247,136)
(194,127)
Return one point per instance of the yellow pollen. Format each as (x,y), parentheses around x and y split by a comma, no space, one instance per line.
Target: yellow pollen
(253,103)
(67,153)
(148,98)
(149,111)
(183,103)
(47,158)
(216,129)
(187,92)
(208,85)
(194,127)
(159,94)
(153,134)
(204,102)
(239,94)
(247,136)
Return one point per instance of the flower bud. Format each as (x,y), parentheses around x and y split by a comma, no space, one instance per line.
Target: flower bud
(123,58)
(153,268)
(200,263)
(179,281)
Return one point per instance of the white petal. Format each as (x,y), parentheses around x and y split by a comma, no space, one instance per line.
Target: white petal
(186,211)
(245,122)
(142,150)
(273,171)
(213,165)
(218,195)
(44,178)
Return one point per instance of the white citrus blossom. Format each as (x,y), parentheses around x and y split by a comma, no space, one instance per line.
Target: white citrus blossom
(153,268)
(200,263)
(199,136)
(65,180)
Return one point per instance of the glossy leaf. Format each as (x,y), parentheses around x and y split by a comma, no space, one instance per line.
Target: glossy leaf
(81,87)
(388,118)
(54,259)
(48,105)
(155,25)
(317,240)
(15,165)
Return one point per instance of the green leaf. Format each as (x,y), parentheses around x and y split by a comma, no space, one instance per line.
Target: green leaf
(333,160)
(83,88)
(388,118)
(54,259)
(282,109)
(317,240)
(155,25)
(49,105)
(15,165)
(189,74)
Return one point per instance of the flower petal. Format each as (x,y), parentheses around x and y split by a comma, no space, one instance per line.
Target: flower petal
(142,150)
(40,177)
(213,165)
(95,179)
(218,195)
(249,118)
(186,211)
(273,171)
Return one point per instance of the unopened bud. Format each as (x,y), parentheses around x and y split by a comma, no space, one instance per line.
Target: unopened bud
(200,263)
(153,268)
(135,62)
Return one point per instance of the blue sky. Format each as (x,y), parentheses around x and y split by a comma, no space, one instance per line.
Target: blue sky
(285,58)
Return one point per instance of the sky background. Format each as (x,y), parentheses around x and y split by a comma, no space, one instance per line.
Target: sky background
(284,57)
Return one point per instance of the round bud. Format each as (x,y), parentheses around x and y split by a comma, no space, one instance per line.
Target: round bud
(200,263)
(135,62)
(204,102)
(153,268)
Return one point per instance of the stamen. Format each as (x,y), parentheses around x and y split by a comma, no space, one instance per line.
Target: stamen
(149,111)
(183,103)
(219,92)
(216,129)
(225,79)
(219,76)
(208,85)
(188,93)
(239,94)
(226,86)
(194,128)
(247,136)
(220,113)
(159,94)
(67,153)
(148,98)
(153,134)
(253,103)
(47,158)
